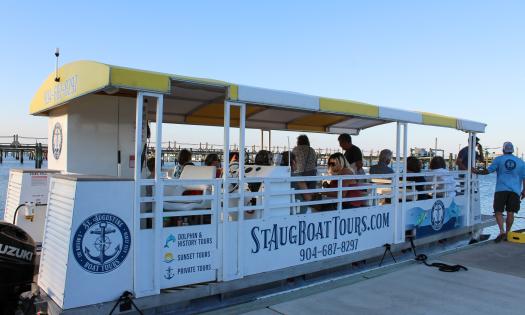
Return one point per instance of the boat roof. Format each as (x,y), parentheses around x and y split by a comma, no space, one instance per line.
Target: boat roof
(199,101)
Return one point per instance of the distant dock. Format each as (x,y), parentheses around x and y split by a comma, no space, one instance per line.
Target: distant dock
(33,151)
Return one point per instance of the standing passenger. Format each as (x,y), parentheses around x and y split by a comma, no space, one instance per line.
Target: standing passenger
(511,175)
(462,159)
(289,159)
(306,159)
(352,153)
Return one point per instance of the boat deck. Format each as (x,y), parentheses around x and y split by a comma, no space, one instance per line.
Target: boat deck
(493,285)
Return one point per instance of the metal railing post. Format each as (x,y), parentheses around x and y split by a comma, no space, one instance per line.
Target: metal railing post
(398,238)
(159,196)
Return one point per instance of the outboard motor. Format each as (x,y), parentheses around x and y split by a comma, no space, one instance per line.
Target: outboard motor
(17,264)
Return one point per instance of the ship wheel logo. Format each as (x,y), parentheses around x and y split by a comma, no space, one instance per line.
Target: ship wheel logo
(101,243)
(56,141)
(437,215)
(510,165)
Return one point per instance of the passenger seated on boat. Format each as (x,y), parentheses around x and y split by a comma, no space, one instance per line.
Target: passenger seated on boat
(262,158)
(385,157)
(439,167)
(288,159)
(414,165)
(212,159)
(183,159)
(338,165)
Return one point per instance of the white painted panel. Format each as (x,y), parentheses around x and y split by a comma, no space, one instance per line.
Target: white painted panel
(189,255)
(280,98)
(400,115)
(100,205)
(282,242)
(469,125)
(12,200)
(28,186)
(54,257)
(98,126)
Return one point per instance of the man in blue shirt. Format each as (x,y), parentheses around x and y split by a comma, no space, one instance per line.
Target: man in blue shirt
(511,175)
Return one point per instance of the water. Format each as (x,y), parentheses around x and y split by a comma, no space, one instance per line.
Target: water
(487,184)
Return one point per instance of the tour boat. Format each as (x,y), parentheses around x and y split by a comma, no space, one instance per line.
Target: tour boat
(106,226)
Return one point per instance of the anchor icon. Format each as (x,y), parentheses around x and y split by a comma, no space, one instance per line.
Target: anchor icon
(102,244)
(169,274)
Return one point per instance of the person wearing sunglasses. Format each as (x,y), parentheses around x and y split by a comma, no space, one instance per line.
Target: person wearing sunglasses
(338,165)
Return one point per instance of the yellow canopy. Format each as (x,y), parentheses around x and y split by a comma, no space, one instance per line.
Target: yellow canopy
(200,101)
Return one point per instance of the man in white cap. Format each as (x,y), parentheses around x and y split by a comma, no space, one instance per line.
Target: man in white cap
(511,175)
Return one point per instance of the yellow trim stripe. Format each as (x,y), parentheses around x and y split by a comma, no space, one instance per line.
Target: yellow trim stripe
(140,80)
(76,79)
(233,92)
(439,120)
(348,107)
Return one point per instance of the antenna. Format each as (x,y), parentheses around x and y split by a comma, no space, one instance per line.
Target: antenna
(57,54)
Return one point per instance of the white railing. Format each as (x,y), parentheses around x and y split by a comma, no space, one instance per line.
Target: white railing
(266,197)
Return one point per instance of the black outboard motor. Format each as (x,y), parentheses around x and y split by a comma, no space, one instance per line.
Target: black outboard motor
(17,265)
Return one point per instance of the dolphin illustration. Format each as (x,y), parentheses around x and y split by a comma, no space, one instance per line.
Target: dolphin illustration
(170,239)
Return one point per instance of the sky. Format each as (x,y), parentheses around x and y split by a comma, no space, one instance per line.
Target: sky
(459,58)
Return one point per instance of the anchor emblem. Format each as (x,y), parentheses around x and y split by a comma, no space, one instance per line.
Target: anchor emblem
(102,244)
(169,274)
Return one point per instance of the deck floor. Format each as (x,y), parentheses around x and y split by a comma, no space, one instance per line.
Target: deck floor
(494,284)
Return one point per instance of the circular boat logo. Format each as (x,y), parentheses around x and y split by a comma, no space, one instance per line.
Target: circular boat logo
(437,215)
(510,165)
(101,243)
(56,141)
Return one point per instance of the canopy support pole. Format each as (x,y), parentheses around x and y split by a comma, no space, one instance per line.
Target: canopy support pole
(398,238)
(226,201)
(405,156)
(147,288)
(224,216)
(269,140)
(159,195)
(471,160)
